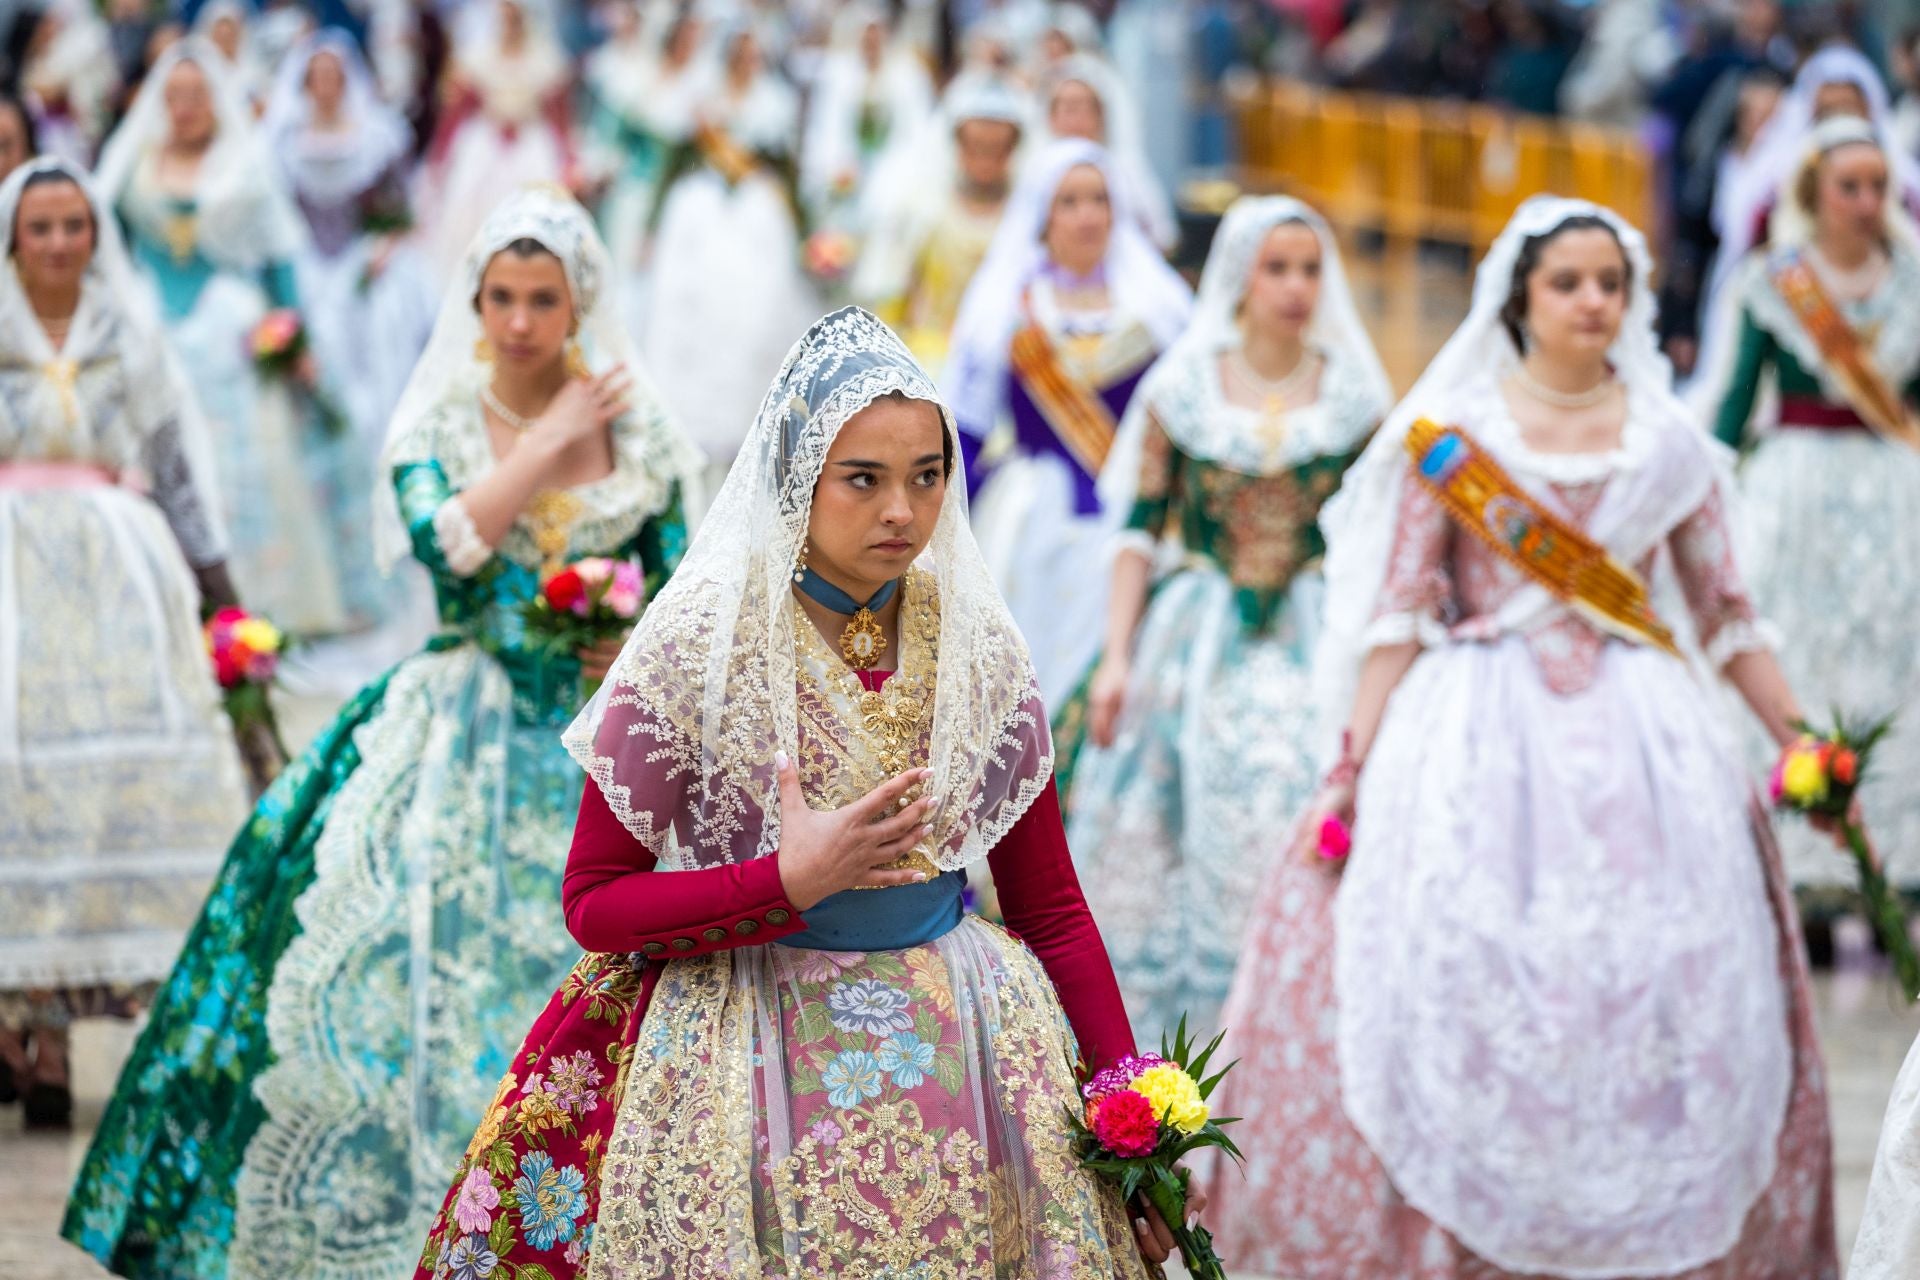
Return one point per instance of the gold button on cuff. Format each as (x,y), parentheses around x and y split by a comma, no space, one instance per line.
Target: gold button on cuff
(684,944)
(653,948)
(715,934)
(747,928)
(779,915)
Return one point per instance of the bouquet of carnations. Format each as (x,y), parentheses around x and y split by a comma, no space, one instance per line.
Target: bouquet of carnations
(1142,1116)
(585,602)
(1819,774)
(246,654)
(279,344)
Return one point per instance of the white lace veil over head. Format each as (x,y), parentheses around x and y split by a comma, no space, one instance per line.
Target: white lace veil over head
(1360,519)
(1123,137)
(1143,287)
(334,166)
(116,318)
(1352,369)
(1791,223)
(450,372)
(681,738)
(246,218)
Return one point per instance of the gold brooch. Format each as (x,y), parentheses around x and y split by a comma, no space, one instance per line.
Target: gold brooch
(862,642)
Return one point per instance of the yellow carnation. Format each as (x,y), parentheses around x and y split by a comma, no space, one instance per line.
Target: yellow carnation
(1174,1095)
(1803,779)
(258,635)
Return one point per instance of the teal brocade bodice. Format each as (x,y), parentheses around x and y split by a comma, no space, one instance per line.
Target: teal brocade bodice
(487,608)
(179,274)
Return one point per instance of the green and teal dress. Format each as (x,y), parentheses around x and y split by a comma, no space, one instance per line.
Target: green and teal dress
(293,480)
(1829,529)
(1173,826)
(388,922)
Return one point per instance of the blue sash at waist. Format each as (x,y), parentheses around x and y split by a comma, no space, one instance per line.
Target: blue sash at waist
(908,915)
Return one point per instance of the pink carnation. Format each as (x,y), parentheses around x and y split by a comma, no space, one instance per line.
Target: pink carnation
(1336,839)
(1125,1124)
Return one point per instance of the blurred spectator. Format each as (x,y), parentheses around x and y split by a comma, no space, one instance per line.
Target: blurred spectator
(1630,49)
(1536,46)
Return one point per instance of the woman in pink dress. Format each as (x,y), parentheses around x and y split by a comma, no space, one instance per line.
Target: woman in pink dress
(1572,1035)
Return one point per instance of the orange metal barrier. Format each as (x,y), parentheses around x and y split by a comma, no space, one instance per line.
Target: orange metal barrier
(1418,169)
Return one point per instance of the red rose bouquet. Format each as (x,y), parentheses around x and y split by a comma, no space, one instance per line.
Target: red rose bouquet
(280,347)
(246,655)
(586,602)
(1819,774)
(1142,1116)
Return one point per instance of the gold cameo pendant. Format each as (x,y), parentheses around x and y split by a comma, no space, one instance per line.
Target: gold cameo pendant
(862,642)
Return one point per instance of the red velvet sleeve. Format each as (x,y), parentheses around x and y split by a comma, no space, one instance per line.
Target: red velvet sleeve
(1041,899)
(616,901)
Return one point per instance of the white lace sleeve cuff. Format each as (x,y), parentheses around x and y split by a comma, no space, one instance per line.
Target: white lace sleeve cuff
(1399,628)
(460,542)
(1744,636)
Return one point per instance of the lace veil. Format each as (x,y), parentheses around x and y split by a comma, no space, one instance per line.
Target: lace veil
(1353,370)
(1142,285)
(116,318)
(1123,137)
(449,371)
(332,167)
(681,738)
(246,218)
(1359,521)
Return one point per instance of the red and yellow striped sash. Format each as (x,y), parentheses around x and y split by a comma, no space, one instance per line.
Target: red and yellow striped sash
(1487,502)
(1072,408)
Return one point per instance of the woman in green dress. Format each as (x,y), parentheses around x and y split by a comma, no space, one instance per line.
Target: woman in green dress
(385,925)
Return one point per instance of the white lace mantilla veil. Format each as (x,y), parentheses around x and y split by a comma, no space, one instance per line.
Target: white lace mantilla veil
(246,217)
(355,156)
(1359,521)
(449,373)
(116,311)
(1124,137)
(682,736)
(1141,284)
(1353,372)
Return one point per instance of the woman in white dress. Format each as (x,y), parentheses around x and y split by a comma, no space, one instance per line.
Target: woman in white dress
(1556,1020)
(1818,393)
(1888,1244)
(344,156)
(509,125)
(1058,327)
(217,235)
(873,93)
(1199,714)
(118,781)
(728,229)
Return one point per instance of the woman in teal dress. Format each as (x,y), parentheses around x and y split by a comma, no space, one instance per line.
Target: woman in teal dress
(385,926)
(212,228)
(1199,711)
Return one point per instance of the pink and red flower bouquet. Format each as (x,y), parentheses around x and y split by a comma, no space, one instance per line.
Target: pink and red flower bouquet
(1142,1116)
(1819,774)
(279,344)
(585,602)
(246,650)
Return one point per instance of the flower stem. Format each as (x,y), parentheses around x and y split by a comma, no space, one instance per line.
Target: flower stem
(1884,909)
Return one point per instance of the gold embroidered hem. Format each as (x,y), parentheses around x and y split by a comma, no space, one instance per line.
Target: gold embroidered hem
(796,1113)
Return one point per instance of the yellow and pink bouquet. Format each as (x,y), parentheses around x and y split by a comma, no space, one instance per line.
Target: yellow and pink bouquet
(1142,1116)
(1819,774)
(279,346)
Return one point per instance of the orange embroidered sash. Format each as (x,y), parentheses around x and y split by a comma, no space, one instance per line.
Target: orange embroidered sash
(1486,501)
(1075,411)
(1866,390)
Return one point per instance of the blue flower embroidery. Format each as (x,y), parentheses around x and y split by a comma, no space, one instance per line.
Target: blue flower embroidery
(907,1057)
(869,1005)
(470,1259)
(852,1077)
(551,1200)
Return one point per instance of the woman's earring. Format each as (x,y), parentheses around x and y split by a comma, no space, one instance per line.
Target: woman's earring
(576,361)
(800,565)
(483,351)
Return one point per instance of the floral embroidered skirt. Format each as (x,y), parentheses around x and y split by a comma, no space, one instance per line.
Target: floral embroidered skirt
(780,1112)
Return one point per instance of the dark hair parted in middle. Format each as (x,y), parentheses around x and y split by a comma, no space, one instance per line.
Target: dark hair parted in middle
(1513,313)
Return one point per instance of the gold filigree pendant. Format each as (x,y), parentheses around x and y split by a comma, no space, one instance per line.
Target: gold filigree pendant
(862,642)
